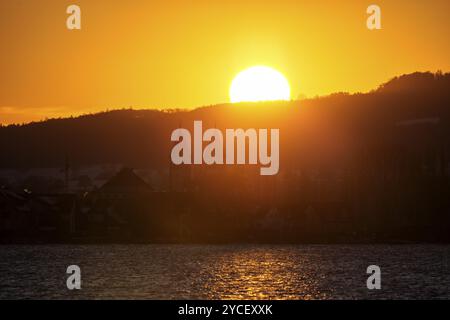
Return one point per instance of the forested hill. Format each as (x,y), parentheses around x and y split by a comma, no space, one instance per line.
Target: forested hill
(407,112)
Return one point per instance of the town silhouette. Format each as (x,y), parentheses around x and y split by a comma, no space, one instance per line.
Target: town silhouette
(354,168)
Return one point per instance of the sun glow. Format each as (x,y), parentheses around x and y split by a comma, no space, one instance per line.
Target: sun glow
(259,83)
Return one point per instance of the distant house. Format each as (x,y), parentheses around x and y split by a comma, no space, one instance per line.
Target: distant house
(125,183)
(29,214)
(328,218)
(14,210)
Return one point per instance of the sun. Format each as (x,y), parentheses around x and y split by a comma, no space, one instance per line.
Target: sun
(259,83)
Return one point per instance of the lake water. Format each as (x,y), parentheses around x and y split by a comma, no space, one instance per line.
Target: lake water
(224,272)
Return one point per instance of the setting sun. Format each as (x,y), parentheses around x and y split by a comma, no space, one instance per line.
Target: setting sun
(259,84)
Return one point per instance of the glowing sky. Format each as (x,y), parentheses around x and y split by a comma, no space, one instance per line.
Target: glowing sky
(168,54)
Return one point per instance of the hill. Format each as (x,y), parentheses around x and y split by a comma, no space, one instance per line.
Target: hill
(410,110)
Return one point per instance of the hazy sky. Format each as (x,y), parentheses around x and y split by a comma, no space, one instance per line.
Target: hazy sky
(168,54)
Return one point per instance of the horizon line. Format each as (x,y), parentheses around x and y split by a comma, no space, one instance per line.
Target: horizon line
(193,108)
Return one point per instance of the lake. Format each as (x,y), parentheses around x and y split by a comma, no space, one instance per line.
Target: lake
(225,271)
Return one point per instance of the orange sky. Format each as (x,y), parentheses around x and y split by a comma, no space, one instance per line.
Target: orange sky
(167,54)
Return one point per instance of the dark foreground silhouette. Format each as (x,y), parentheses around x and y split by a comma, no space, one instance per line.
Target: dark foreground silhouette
(371,167)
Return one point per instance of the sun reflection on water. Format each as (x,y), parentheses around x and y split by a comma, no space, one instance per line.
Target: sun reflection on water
(259,274)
